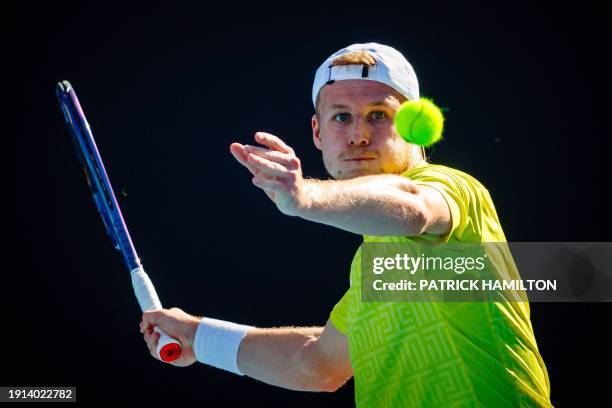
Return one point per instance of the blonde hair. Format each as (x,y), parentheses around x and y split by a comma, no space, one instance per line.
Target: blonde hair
(361,57)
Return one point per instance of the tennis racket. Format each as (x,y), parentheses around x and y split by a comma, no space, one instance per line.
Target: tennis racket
(168,349)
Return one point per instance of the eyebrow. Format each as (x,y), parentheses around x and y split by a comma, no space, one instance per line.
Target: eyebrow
(377,103)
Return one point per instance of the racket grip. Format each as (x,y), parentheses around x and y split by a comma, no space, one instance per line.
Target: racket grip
(168,348)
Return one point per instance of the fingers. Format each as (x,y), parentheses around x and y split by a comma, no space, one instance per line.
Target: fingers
(265,163)
(273,142)
(241,156)
(277,151)
(268,167)
(284,159)
(239,153)
(151,337)
(150,319)
(274,167)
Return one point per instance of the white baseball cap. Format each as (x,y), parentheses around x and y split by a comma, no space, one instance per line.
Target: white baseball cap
(391,68)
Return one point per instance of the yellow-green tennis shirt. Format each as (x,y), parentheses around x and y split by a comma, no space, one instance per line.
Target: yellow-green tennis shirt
(443,354)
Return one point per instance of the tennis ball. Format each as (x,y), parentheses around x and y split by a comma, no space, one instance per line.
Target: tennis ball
(419,122)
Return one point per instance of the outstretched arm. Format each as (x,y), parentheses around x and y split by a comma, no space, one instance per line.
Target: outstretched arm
(381,205)
(297,358)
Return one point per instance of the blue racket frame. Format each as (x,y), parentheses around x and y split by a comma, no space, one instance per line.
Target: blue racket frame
(95,172)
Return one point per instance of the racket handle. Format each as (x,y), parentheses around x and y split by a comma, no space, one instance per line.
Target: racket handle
(168,348)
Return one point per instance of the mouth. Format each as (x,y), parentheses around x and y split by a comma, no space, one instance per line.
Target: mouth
(359,159)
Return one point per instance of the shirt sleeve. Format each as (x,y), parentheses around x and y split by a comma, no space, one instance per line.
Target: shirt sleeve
(455,193)
(339,313)
(453,206)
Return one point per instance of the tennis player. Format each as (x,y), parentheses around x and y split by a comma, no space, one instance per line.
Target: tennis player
(401,354)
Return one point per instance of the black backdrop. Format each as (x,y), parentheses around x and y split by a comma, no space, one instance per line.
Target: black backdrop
(167,88)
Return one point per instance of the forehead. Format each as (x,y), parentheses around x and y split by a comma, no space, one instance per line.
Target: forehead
(352,92)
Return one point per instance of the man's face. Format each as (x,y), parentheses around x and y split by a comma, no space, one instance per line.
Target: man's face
(355,130)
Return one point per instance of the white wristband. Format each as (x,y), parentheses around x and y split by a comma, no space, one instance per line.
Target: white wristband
(216,343)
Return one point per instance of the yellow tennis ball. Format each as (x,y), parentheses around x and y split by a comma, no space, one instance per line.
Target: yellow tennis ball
(419,122)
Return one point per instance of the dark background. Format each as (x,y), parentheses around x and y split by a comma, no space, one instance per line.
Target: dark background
(167,88)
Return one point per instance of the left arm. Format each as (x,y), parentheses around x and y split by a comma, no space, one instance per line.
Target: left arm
(377,205)
(380,205)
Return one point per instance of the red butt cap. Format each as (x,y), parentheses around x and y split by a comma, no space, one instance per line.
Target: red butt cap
(170,352)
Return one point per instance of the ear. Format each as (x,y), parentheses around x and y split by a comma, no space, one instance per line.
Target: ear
(316,132)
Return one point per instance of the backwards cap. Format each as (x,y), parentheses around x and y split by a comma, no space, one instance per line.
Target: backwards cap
(391,68)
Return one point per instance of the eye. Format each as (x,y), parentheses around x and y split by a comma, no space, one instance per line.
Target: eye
(379,115)
(342,117)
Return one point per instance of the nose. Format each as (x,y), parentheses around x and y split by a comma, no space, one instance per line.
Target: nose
(360,135)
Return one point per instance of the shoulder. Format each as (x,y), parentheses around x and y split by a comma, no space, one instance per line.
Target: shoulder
(430,173)
(469,202)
